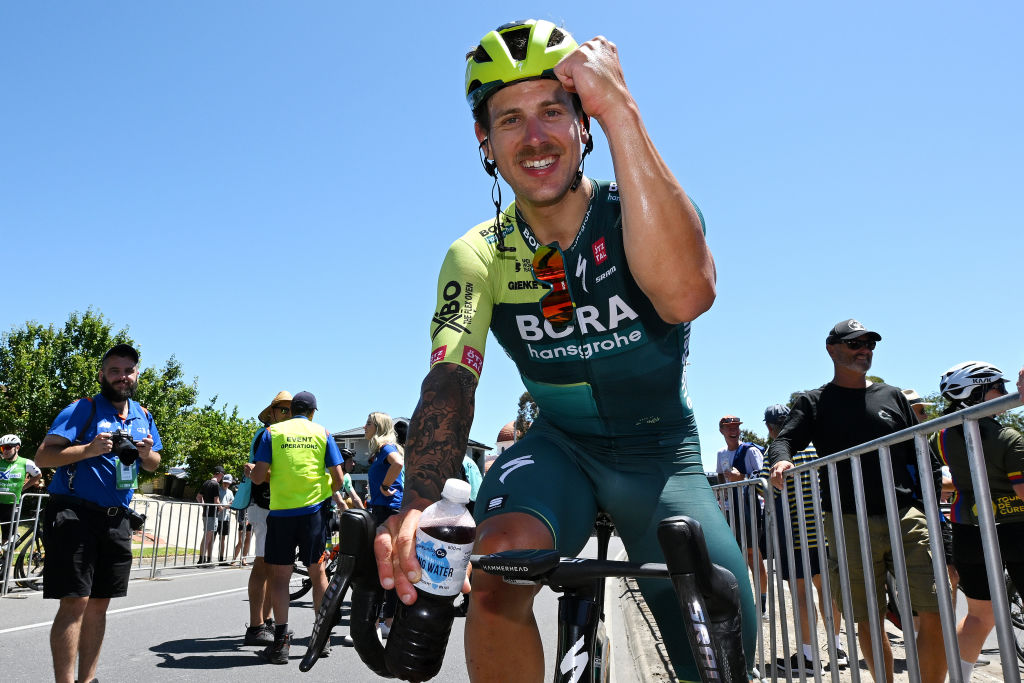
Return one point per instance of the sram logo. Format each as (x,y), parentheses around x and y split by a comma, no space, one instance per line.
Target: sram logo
(587,317)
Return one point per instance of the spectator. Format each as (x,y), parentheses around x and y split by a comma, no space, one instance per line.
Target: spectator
(243,543)
(224,514)
(350,499)
(848,411)
(209,496)
(472,474)
(917,404)
(304,463)
(736,462)
(964,385)
(386,480)
(88,523)
(17,474)
(260,630)
(800,500)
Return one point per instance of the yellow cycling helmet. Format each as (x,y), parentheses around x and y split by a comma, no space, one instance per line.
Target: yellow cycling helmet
(516,51)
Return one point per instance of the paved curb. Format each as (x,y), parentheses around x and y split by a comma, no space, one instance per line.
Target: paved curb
(646,647)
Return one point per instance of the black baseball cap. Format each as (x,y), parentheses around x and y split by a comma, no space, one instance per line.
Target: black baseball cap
(776,414)
(121,351)
(302,402)
(850,329)
(218,470)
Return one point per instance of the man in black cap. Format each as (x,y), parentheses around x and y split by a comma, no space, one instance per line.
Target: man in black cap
(303,463)
(209,495)
(849,411)
(88,524)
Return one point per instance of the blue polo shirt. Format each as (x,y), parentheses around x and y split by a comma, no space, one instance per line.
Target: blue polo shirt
(96,479)
(263,452)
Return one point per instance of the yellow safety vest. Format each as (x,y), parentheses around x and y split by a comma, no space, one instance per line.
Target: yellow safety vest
(299,477)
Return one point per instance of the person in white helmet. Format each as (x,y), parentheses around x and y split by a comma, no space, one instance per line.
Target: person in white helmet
(963,385)
(17,474)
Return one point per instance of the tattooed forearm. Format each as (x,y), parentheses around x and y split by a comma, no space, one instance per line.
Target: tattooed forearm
(438,432)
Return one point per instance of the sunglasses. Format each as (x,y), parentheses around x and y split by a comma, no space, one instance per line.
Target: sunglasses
(549,269)
(857,344)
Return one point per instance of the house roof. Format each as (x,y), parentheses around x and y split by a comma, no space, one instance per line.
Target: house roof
(357,433)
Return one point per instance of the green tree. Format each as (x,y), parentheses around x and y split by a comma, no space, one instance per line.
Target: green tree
(214,436)
(526,414)
(759,441)
(1013,418)
(44,368)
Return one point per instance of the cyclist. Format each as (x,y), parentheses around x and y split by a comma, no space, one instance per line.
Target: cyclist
(589,286)
(963,385)
(17,474)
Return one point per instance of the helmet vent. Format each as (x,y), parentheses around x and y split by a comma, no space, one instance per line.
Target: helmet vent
(555,38)
(517,40)
(480,55)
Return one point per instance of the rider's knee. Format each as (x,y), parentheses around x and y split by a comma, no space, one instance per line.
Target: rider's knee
(506,532)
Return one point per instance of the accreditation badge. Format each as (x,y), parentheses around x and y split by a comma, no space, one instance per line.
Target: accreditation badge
(127,475)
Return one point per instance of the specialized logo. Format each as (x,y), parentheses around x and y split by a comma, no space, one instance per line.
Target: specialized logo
(438,355)
(496,503)
(581,272)
(513,465)
(453,310)
(574,661)
(600,252)
(473,358)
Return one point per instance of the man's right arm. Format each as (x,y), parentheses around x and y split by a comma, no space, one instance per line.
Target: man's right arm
(438,434)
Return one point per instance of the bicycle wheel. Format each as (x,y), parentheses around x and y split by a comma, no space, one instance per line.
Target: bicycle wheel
(602,655)
(1016,618)
(29,565)
(300,582)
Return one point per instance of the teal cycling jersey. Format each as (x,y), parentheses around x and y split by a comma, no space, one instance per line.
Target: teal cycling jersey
(617,369)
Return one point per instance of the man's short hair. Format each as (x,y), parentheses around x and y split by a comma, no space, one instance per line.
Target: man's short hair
(121,351)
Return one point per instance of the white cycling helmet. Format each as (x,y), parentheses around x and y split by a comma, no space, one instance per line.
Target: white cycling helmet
(9,440)
(961,382)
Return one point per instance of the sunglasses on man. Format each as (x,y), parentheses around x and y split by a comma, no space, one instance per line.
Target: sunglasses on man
(549,269)
(856,344)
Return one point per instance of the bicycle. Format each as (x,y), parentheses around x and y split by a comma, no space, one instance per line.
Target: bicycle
(28,554)
(300,583)
(708,596)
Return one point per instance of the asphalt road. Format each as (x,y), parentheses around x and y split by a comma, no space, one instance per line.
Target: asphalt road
(188,626)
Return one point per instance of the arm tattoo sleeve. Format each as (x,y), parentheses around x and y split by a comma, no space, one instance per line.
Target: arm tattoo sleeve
(439,431)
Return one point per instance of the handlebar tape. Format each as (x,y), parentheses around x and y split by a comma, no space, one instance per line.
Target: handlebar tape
(709,596)
(357,569)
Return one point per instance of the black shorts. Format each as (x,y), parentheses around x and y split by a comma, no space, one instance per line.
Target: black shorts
(88,553)
(224,527)
(6,515)
(970,561)
(307,532)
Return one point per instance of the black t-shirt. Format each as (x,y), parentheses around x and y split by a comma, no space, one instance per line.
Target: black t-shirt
(260,493)
(835,418)
(210,491)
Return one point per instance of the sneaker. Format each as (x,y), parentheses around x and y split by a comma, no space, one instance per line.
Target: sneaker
(982,661)
(346,641)
(277,652)
(259,635)
(842,660)
(795,664)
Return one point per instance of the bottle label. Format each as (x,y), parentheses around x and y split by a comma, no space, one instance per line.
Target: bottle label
(443,564)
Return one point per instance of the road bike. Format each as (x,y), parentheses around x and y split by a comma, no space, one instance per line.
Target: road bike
(708,597)
(300,583)
(28,554)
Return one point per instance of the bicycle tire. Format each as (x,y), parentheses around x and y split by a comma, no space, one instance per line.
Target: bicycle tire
(602,654)
(1016,618)
(29,565)
(300,583)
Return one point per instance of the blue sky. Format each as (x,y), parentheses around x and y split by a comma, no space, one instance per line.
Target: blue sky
(266,190)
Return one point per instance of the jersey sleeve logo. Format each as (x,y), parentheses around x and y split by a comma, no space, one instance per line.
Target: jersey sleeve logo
(452,312)
(473,359)
(438,355)
(600,253)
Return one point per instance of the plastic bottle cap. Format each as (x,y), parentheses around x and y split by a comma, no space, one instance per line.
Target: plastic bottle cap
(456,491)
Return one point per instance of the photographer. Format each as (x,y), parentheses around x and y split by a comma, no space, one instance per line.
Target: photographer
(97,445)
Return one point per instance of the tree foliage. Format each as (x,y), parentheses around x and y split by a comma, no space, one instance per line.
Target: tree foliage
(1013,418)
(526,414)
(759,441)
(43,368)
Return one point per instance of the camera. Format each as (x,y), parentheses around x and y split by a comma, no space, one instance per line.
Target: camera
(135,520)
(124,447)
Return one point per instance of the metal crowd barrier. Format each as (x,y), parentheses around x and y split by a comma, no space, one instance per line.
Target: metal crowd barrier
(752,490)
(24,543)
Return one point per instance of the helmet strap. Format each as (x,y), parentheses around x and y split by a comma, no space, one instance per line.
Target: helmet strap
(587,149)
(491,168)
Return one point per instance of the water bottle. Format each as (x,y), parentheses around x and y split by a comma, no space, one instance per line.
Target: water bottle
(444,541)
